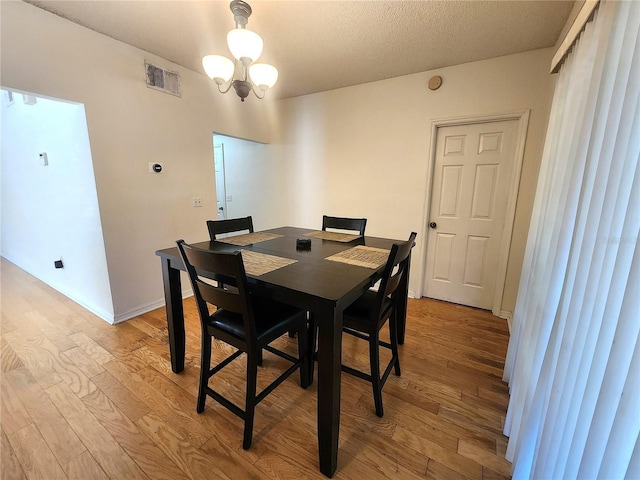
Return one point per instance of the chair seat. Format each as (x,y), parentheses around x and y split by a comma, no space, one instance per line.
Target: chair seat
(357,316)
(273,319)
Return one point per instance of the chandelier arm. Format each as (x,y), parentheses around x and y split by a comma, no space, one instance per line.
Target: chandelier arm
(228,87)
(253,89)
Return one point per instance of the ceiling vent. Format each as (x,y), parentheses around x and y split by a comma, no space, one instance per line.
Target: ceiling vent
(164,80)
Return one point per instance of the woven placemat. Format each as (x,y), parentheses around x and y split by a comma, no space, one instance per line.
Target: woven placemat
(257,264)
(368,257)
(334,236)
(248,238)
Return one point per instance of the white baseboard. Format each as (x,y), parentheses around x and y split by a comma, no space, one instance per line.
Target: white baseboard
(128,315)
(103,314)
(123,317)
(508,316)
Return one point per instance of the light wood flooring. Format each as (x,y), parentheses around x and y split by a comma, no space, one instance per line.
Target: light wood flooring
(85,400)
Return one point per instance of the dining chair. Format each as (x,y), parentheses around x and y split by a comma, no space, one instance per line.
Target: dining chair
(218,227)
(243,320)
(368,314)
(343,223)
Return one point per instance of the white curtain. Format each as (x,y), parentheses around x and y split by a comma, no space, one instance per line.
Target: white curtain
(573,363)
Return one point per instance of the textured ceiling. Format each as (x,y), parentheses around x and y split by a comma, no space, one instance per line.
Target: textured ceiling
(322,45)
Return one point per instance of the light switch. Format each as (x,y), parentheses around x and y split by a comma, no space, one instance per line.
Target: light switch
(229,198)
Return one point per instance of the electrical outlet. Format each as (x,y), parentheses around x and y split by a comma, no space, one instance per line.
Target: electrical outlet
(196,202)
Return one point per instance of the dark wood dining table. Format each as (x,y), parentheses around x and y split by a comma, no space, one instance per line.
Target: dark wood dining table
(322,287)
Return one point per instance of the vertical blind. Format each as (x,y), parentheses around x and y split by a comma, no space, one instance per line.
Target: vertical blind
(573,363)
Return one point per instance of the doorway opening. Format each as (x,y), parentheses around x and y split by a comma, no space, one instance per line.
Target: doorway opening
(51,224)
(243,178)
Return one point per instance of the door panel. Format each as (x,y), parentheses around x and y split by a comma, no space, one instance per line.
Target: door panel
(444,250)
(484,192)
(474,266)
(450,192)
(471,180)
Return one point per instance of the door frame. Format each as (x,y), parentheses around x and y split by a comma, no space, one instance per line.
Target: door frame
(522,117)
(224,178)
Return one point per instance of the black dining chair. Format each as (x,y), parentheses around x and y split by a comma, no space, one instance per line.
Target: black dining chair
(368,314)
(218,227)
(343,223)
(231,225)
(243,320)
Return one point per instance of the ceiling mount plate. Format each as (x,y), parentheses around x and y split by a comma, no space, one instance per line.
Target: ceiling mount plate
(241,12)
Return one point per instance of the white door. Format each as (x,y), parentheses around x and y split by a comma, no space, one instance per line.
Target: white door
(221,193)
(471,182)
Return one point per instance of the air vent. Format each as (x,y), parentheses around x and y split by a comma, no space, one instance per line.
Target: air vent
(164,80)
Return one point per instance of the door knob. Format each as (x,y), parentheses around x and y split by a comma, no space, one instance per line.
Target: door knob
(433,224)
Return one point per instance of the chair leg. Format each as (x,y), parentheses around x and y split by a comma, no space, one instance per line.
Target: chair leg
(374,358)
(303,353)
(250,402)
(205,366)
(260,357)
(393,336)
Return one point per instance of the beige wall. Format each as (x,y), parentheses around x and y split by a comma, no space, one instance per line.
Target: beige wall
(364,150)
(360,150)
(130,125)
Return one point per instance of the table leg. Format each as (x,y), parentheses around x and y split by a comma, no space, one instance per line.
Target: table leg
(329,370)
(312,337)
(175,314)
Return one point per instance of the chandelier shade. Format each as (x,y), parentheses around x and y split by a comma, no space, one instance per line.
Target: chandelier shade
(263,75)
(218,68)
(246,47)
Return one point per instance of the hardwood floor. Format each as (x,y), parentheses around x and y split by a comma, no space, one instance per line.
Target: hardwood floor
(82,399)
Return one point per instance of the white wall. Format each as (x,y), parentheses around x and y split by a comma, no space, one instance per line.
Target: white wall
(364,151)
(130,125)
(51,212)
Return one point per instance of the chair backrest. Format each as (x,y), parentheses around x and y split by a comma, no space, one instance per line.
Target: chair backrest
(217,227)
(342,223)
(397,266)
(226,267)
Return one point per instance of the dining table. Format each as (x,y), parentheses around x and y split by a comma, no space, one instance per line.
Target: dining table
(320,272)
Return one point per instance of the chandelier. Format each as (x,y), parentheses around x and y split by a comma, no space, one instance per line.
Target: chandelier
(246,47)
